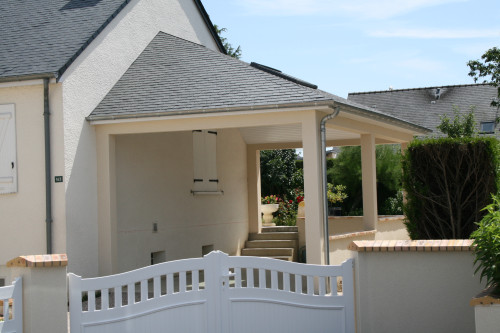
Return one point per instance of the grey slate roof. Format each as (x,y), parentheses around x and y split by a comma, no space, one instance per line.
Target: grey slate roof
(424,107)
(43,37)
(175,76)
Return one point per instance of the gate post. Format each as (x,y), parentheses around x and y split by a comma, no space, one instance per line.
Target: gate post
(215,282)
(45,302)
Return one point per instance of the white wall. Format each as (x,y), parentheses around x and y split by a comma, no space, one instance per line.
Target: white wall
(85,84)
(415,291)
(154,179)
(22,214)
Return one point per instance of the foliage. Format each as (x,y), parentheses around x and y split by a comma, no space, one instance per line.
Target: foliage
(347,171)
(447,182)
(270,199)
(461,126)
(489,69)
(279,174)
(487,244)
(394,205)
(231,51)
(335,193)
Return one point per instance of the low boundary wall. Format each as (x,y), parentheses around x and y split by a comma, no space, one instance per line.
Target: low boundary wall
(414,286)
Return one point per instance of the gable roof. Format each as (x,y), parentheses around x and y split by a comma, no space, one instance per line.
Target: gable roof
(41,38)
(175,76)
(425,106)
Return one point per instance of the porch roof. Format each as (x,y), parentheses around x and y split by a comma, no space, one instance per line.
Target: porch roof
(173,76)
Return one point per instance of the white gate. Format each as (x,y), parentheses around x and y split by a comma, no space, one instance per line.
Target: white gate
(12,307)
(216,294)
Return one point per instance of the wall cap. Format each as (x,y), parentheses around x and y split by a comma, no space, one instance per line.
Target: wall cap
(488,296)
(443,245)
(353,234)
(43,260)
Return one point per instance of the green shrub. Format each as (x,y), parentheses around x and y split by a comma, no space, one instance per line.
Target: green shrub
(487,244)
(448,182)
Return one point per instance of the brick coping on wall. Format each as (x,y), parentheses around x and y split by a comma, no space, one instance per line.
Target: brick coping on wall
(352,234)
(449,245)
(43,260)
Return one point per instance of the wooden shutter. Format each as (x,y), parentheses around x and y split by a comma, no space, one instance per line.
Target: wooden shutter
(8,162)
(205,161)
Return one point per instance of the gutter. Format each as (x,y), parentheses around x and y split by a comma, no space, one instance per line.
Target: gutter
(325,182)
(48,167)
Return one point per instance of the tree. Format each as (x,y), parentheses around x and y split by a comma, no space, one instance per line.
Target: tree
(347,171)
(231,51)
(462,126)
(279,174)
(489,69)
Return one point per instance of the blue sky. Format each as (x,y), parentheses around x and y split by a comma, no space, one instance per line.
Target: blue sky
(362,45)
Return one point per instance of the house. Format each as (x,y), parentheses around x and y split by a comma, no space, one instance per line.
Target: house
(132,138)
(425,106)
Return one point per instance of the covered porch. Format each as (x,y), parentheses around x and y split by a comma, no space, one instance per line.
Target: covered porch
(178,141)
(149,209)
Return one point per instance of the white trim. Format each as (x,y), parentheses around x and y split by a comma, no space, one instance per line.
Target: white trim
(206,114)
(207,193)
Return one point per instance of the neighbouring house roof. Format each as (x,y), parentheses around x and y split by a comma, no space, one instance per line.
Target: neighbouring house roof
(175,76)
(43,37)
(425,106)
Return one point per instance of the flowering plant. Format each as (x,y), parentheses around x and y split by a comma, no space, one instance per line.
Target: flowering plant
(270,199)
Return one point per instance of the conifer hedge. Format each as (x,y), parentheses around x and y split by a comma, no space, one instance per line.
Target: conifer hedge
(448,181)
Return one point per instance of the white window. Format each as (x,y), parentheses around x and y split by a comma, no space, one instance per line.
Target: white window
(205,162)
(8,162)
(487,127)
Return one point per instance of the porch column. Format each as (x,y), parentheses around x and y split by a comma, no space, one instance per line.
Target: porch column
(369,181)
(253,183)
(313,188)
(106,199)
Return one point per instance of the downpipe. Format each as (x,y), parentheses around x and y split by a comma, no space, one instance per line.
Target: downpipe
(325,182)
(48,176)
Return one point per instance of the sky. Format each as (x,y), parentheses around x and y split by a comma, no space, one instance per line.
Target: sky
(362,45)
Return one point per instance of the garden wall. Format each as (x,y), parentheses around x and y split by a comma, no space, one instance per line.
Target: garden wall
(414,286)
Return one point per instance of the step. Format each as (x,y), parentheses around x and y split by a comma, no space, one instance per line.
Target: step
(280,229)
(274,235)
(266,243)
(267,252)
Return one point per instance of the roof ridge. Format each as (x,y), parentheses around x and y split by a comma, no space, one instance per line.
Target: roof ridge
(412,89)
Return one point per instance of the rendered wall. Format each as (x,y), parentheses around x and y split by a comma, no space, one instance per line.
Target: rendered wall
(22,214)
(154,177)
(85,84)
(415,291)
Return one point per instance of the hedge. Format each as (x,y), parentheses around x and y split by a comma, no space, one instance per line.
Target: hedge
(447,183)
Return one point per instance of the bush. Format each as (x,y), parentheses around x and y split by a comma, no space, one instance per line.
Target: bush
(447,182)
(487,244)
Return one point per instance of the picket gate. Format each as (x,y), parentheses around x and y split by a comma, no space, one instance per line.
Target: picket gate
(216,294)
(12,307)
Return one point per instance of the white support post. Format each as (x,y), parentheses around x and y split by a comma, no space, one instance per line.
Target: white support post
(106,195)
(253,167)
(369,181)
(45,302)
(313,185)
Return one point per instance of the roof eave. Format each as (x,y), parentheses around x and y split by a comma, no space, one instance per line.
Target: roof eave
(326,103)
(28,77)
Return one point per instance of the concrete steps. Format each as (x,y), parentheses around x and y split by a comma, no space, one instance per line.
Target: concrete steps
(274,242)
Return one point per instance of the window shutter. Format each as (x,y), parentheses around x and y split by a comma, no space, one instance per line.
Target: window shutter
(205,161)
(8,162)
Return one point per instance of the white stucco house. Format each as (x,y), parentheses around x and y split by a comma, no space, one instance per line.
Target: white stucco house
(129,136)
